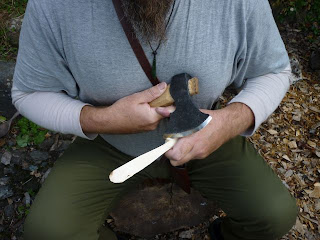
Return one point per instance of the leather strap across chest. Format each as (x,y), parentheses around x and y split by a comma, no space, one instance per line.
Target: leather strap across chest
(134,42)
(179,174)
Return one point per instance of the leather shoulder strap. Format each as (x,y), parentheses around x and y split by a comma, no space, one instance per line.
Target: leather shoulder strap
(134,42)
(180,175)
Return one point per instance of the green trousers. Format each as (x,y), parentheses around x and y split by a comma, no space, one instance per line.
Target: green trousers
(77,195)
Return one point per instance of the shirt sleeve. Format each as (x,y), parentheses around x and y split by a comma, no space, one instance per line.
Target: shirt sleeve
(262,66)
(262,50)
(51,110)
(41,63)
(44,89)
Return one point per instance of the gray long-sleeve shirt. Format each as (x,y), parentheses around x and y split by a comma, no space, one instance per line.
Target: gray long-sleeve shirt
(79,47)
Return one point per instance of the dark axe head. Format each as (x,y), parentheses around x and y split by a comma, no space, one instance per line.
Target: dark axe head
(187,118)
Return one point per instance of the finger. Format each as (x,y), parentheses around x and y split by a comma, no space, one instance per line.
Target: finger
(207,111)
(187,158)
(165,111)
(179,152)
(151,93)
(178,163)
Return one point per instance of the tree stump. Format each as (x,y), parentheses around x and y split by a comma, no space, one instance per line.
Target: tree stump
(153,210)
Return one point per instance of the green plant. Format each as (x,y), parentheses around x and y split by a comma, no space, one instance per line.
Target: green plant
(6,49)
(29,133)
(23,211)
(9,9)
(15,7)
(304,13)
(2,119)
(31,193)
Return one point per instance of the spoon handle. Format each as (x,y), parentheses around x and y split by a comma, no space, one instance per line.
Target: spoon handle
(134,166)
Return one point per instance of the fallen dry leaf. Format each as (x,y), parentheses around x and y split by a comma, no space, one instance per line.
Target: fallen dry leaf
(312,144)
(2,142)
(297,118)
(272,132)
(315,109)
(37,175)
(47,135)
(317,205)
(288,173)
(292,144)
(286,157)
(10,201)
(299,227)
(315,193)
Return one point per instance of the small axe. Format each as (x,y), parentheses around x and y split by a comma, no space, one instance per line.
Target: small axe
(185,120)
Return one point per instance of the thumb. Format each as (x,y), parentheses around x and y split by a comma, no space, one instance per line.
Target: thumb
(165,111)
(152,93)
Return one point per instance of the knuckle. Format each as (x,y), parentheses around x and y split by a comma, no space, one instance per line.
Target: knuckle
(153,119)
(188,146)
(152,92)
(202,153)
(132,98)
(176,157)
(148,122)
(146,119)
(173,163)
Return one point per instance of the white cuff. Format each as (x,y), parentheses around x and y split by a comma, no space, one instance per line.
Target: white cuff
(263,95)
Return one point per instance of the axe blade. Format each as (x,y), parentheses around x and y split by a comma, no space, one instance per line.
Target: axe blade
(187,118)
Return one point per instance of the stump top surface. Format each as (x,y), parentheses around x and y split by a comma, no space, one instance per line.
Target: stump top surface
(153,210)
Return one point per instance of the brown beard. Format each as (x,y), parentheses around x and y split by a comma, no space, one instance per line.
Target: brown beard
(148,17)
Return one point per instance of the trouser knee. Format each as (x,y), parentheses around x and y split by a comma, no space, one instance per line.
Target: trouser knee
(32,229)
(268,221)
(281,219)
(275,220)
(38,228)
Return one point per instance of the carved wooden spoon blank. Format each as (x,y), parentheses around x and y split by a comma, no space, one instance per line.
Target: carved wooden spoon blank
(134,166)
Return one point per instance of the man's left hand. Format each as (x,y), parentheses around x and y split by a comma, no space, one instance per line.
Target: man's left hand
(226,123)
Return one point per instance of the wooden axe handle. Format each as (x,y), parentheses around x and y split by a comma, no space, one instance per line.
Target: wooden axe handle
(166,100)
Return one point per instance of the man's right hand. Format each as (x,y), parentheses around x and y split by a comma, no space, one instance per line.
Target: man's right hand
(131,114)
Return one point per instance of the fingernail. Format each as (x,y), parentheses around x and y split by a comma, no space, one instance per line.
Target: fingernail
(162,85)
(171,110)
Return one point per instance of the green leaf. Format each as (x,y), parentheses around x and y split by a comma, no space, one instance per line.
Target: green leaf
(2,119)
(31,193)
(29,133)
(22,140)
(39,138)
(21,209)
